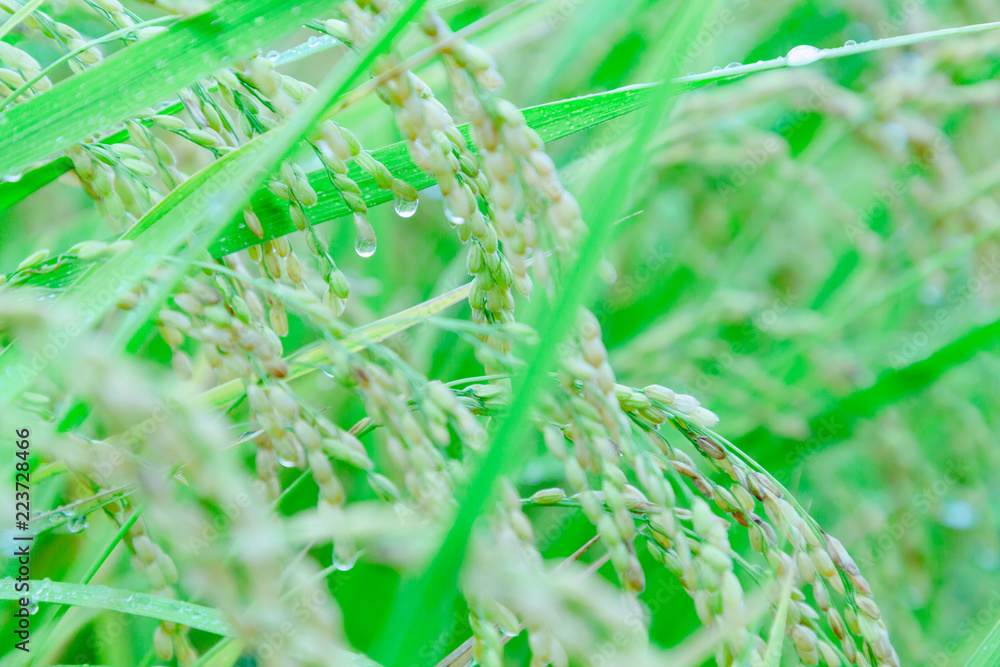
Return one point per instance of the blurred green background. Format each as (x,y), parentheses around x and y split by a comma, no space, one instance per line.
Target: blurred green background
(802,235)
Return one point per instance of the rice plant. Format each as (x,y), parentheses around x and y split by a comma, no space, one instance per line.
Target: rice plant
(378,332)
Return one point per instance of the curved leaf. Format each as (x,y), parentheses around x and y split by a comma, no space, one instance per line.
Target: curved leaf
(140,75)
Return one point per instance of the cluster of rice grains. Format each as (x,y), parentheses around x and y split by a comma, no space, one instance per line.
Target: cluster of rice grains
(505,201)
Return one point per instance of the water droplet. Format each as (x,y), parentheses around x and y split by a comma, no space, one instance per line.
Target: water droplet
(313,40)
(734,64)
(454,219)
(803,55)
(285,463)
(69,512)
(509,632)
(405,209)
(850,42)
(77,524)
(364,246)
(32,607)
(12,177)
(958,514)
(717,68)
(365,242)
(929,295)
(272,55)
(345,563)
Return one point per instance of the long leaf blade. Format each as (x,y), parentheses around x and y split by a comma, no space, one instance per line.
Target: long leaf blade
(140,75)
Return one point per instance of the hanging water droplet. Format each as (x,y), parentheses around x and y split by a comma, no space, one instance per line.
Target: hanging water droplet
(32,607)
(365,242)
(509,632)
(734,64)
(285,463)
(272,55)
(345,563)
(454,219)
(328,373)
(364,246)
(405,209)
(77,524)
(803,55)
(850,42)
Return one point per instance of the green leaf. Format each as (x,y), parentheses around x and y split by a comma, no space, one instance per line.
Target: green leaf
(838,422)
(201,204)
(109,599)
(776,638)
(988,652)
(552,121)
(422,601)
(19,16)
(141,75)
(312,356)
(13,192)
(187,614)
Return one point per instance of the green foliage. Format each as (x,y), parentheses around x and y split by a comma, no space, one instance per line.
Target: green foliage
(192,225)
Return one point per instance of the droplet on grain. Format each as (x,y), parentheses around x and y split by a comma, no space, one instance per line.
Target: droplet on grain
(803,55)
(77,524)
(365,242)
(285,463)
(452,217)
(345,564)
(405,209)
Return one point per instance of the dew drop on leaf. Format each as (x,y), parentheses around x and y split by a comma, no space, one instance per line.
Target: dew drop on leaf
(405,209)
(365,247)
(365,242)
(345,564)
(285,463)
(77,524)
(454,219)
(803,55)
